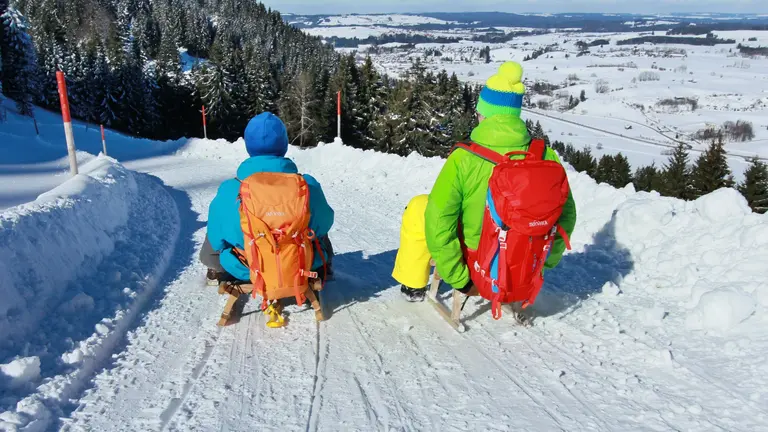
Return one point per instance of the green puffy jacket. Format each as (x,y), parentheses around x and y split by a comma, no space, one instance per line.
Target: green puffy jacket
(460,192)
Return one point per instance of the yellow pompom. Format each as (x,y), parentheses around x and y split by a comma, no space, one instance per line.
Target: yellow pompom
(507,79)
(512,71)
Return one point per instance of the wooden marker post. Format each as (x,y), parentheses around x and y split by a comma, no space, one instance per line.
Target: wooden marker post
(103,141)
(338,114)
(67,122)
(205,126)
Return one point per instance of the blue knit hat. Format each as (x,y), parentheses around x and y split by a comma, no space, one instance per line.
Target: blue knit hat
(266,135)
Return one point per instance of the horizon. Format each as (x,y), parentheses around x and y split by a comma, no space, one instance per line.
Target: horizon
(759,14)
(388,7)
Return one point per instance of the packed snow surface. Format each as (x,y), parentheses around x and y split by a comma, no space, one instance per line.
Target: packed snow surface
(654,321)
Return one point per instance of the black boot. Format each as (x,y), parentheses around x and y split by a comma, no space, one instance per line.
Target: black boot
(414,295)
(212,277)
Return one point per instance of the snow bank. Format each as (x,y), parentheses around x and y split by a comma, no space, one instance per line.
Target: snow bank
(708,254)
(77,266)
(45,244)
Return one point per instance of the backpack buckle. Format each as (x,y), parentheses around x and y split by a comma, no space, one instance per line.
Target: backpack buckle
(503,236)
(311,275)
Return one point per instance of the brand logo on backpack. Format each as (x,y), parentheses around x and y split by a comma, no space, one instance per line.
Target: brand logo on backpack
(509,262)
(274,214)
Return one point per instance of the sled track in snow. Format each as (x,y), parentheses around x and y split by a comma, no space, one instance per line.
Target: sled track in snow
(543,361)
(173,406)
(321,357)
(376,357)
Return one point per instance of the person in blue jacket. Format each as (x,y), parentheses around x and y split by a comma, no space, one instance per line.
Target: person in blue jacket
(266,141)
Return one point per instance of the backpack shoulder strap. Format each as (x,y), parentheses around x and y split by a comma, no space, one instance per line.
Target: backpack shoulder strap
(482,152)
(538,147)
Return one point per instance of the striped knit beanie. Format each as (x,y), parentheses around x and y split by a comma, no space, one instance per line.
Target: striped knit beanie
(503,92)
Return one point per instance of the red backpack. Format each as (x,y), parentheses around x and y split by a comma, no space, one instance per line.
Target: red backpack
(524,202)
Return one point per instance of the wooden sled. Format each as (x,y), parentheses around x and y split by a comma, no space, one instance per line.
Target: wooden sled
(231,314)
(453,315)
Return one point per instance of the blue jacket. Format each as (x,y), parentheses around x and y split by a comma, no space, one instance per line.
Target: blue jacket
(224,230)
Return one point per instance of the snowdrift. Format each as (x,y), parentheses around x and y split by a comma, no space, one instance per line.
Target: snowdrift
(44,244)
(71,279)
(704,259)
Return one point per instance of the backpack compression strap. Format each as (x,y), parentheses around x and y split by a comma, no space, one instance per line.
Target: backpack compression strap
(482,152)
(537,149)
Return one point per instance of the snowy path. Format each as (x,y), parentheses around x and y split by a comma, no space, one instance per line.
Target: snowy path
(379,363)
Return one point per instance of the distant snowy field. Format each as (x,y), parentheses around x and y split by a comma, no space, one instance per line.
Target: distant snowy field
(628,118)
(394,20)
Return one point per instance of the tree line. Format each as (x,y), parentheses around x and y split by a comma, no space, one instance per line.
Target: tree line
(146,68)
(678,178)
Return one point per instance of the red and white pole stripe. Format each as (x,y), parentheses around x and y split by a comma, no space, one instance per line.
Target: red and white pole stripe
(338,113)
(205,126)
(67,122)
(103,141)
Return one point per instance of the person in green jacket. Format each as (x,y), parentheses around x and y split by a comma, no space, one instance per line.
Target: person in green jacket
(431,223)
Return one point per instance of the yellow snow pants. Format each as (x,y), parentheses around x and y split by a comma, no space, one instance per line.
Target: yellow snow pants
(412,264)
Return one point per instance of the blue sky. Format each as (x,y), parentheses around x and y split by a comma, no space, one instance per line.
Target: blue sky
(547,6)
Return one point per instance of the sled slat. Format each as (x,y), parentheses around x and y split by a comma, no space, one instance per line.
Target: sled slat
(452,317)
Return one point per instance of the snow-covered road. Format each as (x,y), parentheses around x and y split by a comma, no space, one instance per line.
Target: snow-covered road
(610,349)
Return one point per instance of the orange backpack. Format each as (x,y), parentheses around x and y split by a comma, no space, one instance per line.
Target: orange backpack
(274,217)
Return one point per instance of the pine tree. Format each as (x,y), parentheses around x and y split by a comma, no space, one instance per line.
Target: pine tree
(604,170)
(622,172)
(583,161)
(647,178)
(755,186)
(711,171)
(583,96)
(371,98)
(18,60)
(614,170)
(676,175)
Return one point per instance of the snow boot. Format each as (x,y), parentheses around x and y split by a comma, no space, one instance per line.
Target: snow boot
(413,295)
(212,277)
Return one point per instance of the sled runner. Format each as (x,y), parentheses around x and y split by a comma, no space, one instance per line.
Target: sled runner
(273,311)
(451,316)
